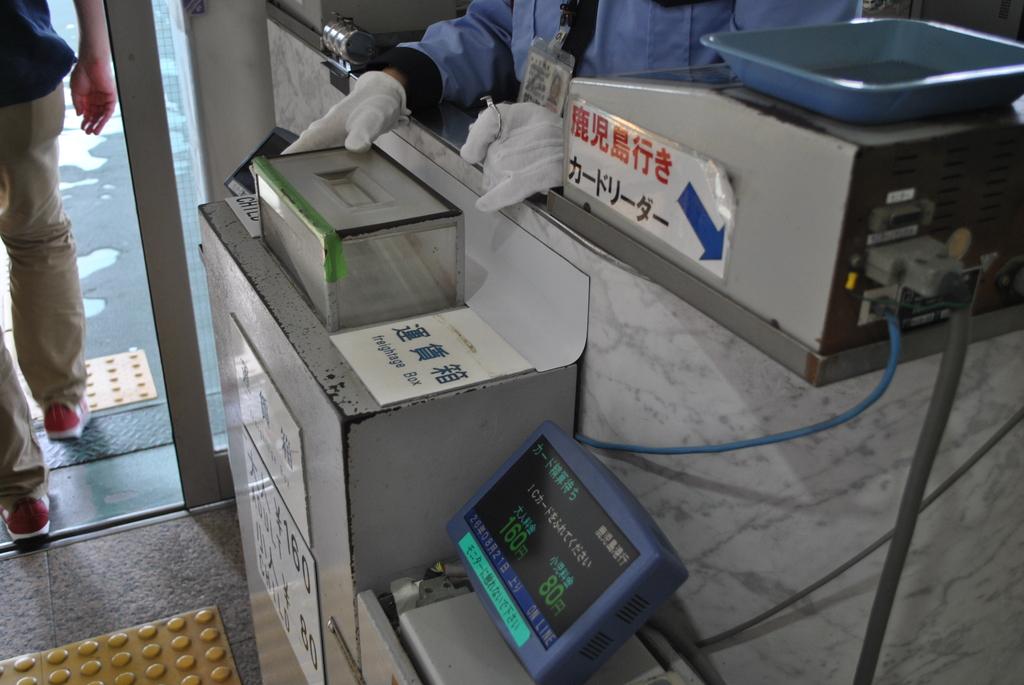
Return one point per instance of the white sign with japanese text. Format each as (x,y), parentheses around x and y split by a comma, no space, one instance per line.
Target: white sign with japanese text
(428,354)
(286,567)
(272,428)
(666,190)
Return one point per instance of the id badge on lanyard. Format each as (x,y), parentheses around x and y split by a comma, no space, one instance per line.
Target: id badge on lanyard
(549,68)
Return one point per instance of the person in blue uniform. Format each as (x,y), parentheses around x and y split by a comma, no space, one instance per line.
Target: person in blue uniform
(485,52)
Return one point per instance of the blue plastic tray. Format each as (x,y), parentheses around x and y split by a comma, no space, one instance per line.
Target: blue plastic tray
(876,72)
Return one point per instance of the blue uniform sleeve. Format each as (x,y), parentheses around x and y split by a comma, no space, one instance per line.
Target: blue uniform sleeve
(473,53)
(766,14)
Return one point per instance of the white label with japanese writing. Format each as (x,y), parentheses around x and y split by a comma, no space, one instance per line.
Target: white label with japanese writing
(286,567)
(273,430)
(904,195)
(247,209)
(428,354)
(668,191)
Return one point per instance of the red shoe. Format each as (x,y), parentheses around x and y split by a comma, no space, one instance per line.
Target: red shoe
(31,517)
(66,423)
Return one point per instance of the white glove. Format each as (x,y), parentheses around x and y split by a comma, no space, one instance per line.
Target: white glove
(526,157)
(375,105)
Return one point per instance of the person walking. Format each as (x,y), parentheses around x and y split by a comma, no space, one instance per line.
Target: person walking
(48,318)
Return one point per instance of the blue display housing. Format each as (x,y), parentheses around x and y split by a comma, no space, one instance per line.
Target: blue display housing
(571,650)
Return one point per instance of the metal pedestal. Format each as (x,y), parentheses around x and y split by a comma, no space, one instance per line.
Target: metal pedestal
(335,494)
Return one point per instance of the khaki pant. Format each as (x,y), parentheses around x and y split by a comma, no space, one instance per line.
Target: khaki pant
(49,322)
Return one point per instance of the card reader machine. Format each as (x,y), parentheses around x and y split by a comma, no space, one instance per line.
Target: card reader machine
(565,560)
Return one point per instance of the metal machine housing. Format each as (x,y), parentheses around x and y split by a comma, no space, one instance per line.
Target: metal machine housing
(814,196)
(369,476)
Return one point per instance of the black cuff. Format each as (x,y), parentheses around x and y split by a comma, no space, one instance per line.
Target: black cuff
(425,87)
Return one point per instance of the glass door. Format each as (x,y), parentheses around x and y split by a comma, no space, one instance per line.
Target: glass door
(215,71)
(152,161)
(197,99)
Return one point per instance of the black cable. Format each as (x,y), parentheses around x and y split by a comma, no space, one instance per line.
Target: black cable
(874,546)
(669,657)
(690,652)
(913,493)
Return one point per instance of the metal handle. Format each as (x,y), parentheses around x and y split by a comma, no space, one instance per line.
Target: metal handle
(345,40)
(334,629)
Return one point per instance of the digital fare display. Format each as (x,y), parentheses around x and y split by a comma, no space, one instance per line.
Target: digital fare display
(553,545)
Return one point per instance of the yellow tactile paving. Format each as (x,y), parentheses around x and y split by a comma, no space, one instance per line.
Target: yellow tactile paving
(190,649)
(114,381)
(118,380)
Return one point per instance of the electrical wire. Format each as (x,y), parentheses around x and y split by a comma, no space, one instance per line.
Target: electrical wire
(928,443)
(874,546)
(690,653)
(890,370)
(670,658)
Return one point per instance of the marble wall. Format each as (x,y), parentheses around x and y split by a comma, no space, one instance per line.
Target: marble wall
(757,525)
(302,91)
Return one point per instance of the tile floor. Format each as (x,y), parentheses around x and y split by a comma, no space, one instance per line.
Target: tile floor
(88,495)
(86,588)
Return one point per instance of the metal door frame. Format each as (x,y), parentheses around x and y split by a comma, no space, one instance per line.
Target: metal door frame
(205,476)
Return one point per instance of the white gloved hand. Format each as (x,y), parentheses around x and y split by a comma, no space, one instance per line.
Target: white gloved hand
(526,158)
(375,105)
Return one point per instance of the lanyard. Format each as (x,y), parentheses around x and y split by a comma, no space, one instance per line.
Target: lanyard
(576,27)
(565,23)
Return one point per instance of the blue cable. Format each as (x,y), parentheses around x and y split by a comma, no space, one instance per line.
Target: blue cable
(890,370)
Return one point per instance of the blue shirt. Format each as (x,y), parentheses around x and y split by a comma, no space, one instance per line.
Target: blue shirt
(484,52)
(33,58)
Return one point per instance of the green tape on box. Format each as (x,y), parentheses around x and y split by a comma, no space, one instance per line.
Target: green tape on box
(335,267)
(495,589)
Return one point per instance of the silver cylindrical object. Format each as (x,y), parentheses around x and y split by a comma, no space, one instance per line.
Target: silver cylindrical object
(346,41)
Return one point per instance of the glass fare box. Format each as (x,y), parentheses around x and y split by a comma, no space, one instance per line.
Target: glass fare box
(365,241)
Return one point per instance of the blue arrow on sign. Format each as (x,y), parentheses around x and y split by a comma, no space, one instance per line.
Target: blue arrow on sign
(710,237)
